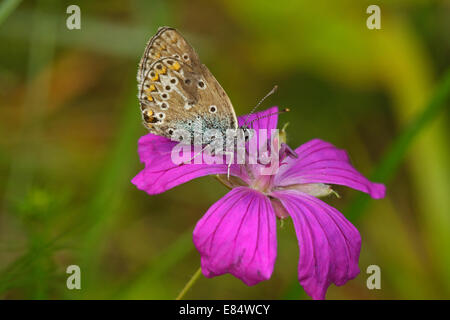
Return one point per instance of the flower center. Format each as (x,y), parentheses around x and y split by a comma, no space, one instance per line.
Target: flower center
(262,183)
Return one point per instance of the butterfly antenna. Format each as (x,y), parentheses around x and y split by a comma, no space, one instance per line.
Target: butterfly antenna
(270,114)
(271,92)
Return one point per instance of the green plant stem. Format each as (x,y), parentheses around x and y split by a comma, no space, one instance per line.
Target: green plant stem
(388,165)
(189,284)
(7,7)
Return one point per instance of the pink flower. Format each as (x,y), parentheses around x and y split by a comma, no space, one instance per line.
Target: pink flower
(237,234)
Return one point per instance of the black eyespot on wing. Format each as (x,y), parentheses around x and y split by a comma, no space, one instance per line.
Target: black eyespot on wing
(149,119)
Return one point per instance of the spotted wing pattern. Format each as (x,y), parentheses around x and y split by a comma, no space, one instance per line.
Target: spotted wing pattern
(176,91)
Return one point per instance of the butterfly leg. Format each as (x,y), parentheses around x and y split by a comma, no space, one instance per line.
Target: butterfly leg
(229,163)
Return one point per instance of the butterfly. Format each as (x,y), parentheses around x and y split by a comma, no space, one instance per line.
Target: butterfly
(177,92)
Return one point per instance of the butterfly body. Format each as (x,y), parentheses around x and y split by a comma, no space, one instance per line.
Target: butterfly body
(178,92)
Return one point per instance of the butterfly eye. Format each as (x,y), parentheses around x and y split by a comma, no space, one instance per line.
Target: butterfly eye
(170,131)
(213,109)
(173,81)
(167,88)
(186,57)
(165,96)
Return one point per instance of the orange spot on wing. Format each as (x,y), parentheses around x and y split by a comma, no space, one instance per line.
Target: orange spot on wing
(176,66)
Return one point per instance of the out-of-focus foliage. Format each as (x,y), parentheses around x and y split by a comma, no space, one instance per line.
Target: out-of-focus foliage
(69,124)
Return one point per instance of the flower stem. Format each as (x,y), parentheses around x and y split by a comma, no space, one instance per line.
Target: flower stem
(189,284)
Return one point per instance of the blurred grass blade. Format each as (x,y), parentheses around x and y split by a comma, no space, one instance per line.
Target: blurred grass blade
(388,166)
(22,168)
(114,180)
(7,7)
(154,275)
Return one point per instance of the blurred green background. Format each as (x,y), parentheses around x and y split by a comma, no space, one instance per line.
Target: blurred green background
(70,121)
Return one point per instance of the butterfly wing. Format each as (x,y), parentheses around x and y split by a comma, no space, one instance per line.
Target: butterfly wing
(176,91)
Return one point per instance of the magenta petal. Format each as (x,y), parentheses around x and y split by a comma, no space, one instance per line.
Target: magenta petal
(329,243)
(266,119)
(161,174)
(238,235)
(321,162)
